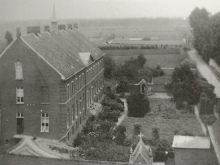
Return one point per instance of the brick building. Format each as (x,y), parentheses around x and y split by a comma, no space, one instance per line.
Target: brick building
(48,81)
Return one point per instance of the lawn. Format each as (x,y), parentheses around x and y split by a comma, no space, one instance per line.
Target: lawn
(164,60)
(164,116)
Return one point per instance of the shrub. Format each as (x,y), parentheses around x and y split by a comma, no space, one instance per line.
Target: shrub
(78,141)
(116,106)
(120,137)
(121,129)
(179,104)
(127,142)
(106,126)
(137,129)
(208,119)
(138,105)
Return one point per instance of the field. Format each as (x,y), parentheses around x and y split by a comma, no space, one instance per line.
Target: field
(164,116)
(164,60)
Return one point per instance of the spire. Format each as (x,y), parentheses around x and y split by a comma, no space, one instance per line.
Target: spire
(54,17)
(54,20)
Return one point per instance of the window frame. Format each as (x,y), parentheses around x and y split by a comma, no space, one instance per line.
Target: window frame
(45,120)
(20,99)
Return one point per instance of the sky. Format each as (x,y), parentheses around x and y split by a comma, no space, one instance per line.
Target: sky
(77,9)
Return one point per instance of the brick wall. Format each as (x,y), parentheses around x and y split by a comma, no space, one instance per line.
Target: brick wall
(36,73)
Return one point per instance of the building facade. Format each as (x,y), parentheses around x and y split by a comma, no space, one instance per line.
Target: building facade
(48,81)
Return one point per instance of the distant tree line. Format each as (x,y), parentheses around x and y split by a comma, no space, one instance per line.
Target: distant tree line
(127,47)
(206,33)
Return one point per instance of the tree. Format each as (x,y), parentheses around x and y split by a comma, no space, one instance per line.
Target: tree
(199,21)
(120,134)
(184,86)
(8,37)
(141,60)
(109,67)
(138,105)
(215,37)
(123,87)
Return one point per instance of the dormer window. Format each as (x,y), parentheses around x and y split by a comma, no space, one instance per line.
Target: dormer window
(18,71)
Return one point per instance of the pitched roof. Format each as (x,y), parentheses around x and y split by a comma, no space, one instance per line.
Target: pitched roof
(40,147)
(61,50)
(142,154)
(191,142)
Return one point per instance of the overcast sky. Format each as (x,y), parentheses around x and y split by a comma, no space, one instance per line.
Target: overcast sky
(42,9)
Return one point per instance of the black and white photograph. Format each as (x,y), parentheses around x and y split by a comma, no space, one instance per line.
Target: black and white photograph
(109,82)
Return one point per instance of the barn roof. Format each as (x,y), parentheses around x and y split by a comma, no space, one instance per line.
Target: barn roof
(61,49)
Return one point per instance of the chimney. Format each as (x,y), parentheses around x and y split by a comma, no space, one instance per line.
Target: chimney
(47,28)
(70,26)
(61,27)
(33,29)
(18,32)
(75,25)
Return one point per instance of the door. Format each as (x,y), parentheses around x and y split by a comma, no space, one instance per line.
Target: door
(20,123)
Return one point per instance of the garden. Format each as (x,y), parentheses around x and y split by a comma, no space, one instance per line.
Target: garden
(101,139)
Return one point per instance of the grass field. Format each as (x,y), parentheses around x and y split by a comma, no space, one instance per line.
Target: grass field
(167,119)
(164,60)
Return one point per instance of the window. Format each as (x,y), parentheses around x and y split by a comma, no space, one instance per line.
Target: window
(44,122)
(20,95)
(19,115)
(18,71)
(45,94)
(72,84)
(76,84)
(73,109)
(80,82)
(68,91)
(68,118)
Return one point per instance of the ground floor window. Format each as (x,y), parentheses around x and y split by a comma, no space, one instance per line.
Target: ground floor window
(44,122)
(20,123)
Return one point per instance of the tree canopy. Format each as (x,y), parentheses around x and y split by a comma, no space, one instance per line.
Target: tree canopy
(138,105)
(109,67)
(8,37)
(206,31)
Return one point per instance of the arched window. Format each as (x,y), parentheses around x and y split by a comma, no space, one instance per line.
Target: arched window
(18,71)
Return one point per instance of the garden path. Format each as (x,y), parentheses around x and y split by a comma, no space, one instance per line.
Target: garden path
(121,118)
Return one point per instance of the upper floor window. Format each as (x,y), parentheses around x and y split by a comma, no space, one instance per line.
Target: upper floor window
(72,84)
(18,71)
(20,95)
(44,122)
(68,91)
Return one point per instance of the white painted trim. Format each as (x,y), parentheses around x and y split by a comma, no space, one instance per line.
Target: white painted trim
(62,77)
(7,47)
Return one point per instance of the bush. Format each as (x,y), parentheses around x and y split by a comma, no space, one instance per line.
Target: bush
(179,105)
(116,106)
(127,142)
(138,105)
(106,126)
(121,129)
(120,137)
(208,119)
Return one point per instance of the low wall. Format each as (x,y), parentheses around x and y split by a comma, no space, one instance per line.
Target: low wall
(213,64)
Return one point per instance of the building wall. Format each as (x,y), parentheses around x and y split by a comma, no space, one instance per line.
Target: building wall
(88,87)
(67,106)
(195,157)
(35,75)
